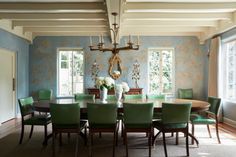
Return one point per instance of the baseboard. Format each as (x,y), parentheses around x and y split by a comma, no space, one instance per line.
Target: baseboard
(229,122)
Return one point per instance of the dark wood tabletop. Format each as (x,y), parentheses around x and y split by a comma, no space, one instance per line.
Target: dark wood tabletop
(197,105)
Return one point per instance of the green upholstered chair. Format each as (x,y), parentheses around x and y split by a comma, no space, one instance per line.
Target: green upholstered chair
(81,96)
(185,93)
(156,115)
(175,118)
(132,97)
(29,118)
(66,119)
(138,118)
(45,94)
(208,117)
(102,118)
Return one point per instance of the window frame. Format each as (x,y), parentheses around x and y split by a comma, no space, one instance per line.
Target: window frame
(150,50)
(58,65)
(223,68)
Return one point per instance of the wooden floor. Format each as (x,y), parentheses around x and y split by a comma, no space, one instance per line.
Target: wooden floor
(14,124)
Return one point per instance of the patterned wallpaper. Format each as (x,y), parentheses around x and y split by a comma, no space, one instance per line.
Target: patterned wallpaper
(190,61)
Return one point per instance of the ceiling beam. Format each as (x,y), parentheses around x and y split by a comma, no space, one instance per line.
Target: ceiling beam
(53,16)
(177,16)
(178,7)
(61,23)
(52,7)
(65,29)
(157,23)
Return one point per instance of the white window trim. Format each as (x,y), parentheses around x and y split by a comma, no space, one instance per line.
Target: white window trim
(173,67)
(58,62)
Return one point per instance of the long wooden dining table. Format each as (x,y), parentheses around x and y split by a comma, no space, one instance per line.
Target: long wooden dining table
(197,106)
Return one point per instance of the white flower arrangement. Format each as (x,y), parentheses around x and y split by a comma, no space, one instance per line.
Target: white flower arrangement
(123,87)
(104,82)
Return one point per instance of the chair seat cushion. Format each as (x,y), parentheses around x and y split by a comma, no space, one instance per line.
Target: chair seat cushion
(159,125)
(38,120)
(102,126)
(199,119)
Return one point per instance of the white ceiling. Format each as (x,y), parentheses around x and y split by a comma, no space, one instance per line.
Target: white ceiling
(201,18)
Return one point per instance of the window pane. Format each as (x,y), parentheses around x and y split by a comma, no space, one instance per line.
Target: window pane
(160,71)
(70,72)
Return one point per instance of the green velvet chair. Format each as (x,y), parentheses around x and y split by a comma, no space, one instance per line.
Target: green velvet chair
(132,97)
(81,96)
(29,118)
(138,118)
(208,117)
(175,118)
(102,118)
(185,93)
(45,94)
(156,115)
(66,119)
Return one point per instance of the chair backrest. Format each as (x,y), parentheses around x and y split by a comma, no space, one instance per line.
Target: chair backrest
(102,113)
(138,113)
(80,96)
(26,106)
(131,97)
(65,114)
(45,94)
(176,113)
(155,96)
(214,104)
(111,97)
(185,93)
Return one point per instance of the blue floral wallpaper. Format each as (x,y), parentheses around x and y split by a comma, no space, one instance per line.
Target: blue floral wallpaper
(190,61)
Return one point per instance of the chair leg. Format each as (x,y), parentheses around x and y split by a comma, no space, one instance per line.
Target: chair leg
(45,135)
(164,143)
(85,139)
(187,146)
(91,143)
(217,133)
(77,146)
(209,131)
(31,131)
(114,143)
(53,144)
(154,137)
(60,139)
(149,142)
(192,133)
(22,133)
(100,134)
(126,142)
(177,138)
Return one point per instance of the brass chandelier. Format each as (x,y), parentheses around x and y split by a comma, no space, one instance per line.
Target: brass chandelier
(115,69)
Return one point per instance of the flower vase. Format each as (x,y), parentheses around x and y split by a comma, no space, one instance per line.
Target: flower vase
(103,95)
(118,96)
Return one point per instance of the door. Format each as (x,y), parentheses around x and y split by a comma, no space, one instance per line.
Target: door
(7,85)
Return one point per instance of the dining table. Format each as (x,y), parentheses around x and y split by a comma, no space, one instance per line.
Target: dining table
(197,106)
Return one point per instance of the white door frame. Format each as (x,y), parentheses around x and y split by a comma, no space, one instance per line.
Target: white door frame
(15,80)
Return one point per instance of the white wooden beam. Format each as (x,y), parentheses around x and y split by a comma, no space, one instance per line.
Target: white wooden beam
(156,23)
(64,29)
(35,34)
(57,23)
(52,16)
(177,16)
(180,7)
(52,7)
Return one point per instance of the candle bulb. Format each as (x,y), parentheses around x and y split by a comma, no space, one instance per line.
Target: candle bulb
(129,39)
(102,40)
(138,40)
(91,42)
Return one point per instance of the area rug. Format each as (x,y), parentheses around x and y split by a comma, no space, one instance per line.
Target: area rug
(102,147)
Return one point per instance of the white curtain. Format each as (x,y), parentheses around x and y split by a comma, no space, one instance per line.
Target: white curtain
(213,69)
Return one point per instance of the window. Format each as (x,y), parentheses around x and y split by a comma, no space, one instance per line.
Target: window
(160,71)
(70,71)
(229,70)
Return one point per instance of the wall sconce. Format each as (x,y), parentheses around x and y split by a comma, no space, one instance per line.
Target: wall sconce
(136,73)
